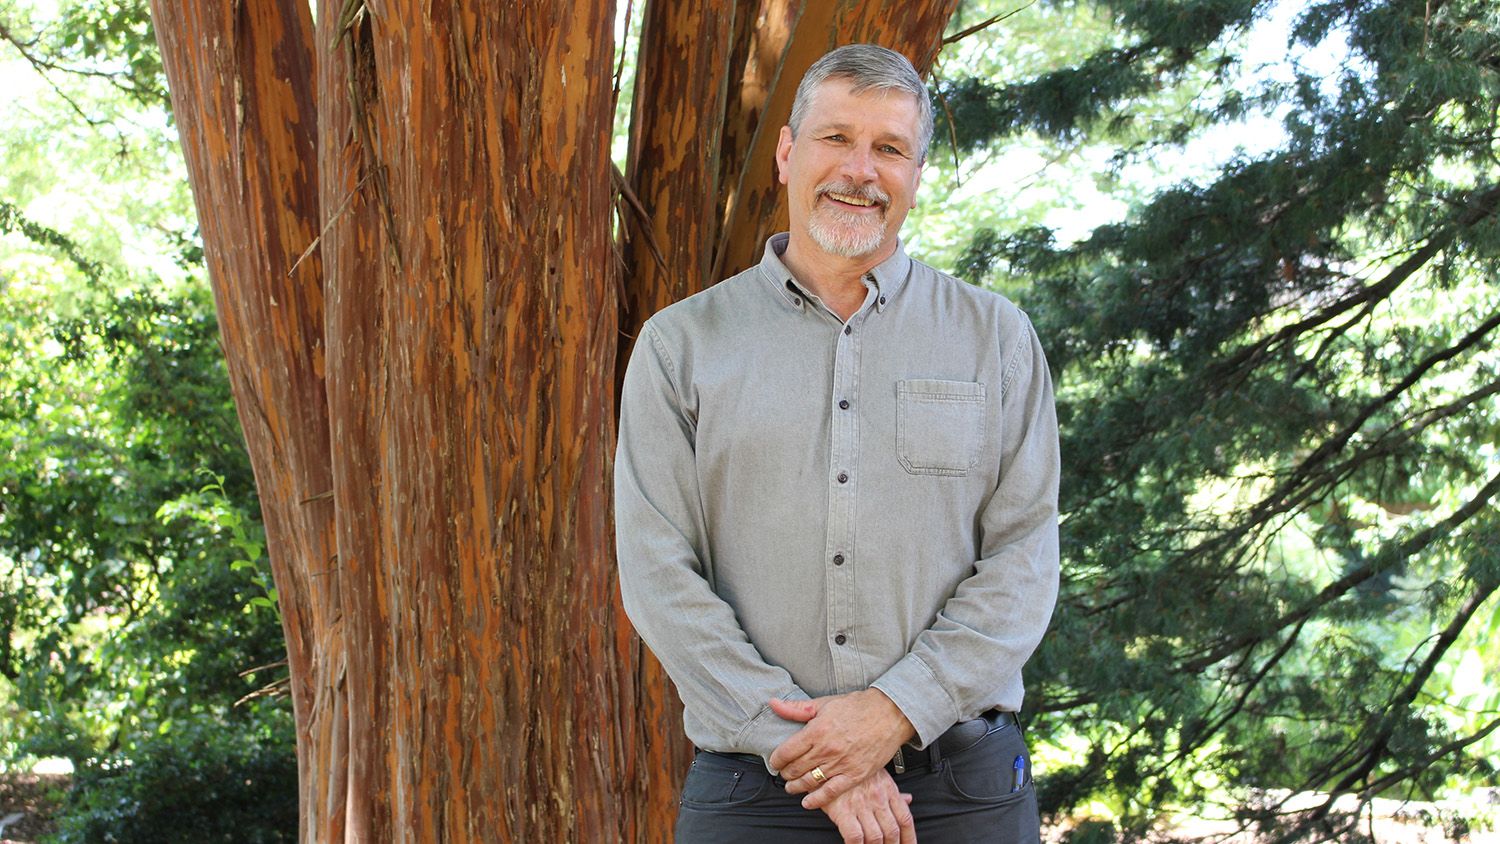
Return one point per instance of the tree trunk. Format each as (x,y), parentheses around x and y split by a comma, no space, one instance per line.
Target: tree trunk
(248,137)
(406,217)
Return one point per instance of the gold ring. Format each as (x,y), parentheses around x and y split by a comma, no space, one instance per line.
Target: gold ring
(818,776)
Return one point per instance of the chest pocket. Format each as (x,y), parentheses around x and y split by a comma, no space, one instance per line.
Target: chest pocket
(939,426)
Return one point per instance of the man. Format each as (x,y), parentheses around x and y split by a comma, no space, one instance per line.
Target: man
(836,504)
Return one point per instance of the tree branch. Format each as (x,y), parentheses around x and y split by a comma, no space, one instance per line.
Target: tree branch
(1482,204)
(42,65)
(986,24)
(1352,578)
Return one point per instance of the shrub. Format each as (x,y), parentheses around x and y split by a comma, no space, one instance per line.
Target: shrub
(202,783)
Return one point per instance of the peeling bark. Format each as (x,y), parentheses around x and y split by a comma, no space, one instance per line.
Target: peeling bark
(248,136)
(473,309)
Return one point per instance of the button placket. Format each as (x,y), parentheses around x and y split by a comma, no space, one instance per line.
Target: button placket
(843,483)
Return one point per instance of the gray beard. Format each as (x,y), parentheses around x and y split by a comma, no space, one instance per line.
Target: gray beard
(845,235)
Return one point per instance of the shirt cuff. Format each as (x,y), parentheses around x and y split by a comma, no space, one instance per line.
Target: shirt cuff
(915,690)
(766,731)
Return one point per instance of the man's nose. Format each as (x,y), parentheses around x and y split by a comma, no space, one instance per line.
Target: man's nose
(859,166)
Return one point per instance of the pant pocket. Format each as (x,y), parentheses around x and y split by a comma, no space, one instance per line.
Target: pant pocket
(717,782)
(995,770)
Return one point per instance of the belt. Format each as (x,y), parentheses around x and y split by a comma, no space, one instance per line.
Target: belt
(959,737)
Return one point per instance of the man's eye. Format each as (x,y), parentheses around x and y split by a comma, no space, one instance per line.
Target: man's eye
(835,138)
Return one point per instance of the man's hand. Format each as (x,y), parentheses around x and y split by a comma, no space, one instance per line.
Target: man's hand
(848,737)
(873,811)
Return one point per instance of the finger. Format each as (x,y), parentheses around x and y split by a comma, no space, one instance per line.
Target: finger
(815,757)
(905,823)
(794,767)
(790,750)
(794,710)
(850,829)
(830,790)
(873,835)
(807,783)
(890,830)
(829,756)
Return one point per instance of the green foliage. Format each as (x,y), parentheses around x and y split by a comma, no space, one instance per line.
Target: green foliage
(203,784)
(1081,97)
(134,639)
(90,171)
(110,41)
(12,220)
(212,507)
(123,608)
(1277,382)
(1276,376)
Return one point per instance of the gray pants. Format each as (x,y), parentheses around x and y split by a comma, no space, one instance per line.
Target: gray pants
(960,795)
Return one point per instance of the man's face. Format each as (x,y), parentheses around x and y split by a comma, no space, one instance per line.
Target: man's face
(851,173)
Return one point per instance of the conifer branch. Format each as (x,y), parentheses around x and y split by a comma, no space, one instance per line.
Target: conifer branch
(1352,578)
(1483,205)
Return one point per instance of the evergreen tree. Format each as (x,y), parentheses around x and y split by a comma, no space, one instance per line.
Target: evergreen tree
(1277,386)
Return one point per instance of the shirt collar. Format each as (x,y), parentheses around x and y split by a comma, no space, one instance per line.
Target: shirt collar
(889,276)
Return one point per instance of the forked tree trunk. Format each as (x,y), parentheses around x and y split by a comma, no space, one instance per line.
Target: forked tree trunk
(406,212)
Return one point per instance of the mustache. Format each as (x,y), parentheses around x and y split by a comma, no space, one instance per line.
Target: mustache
(869,192)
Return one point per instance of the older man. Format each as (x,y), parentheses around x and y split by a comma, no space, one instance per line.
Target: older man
(836,504)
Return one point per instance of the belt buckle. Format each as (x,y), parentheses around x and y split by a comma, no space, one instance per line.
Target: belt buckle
(899,762)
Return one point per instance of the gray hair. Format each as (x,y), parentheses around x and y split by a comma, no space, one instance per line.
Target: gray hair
(867,68)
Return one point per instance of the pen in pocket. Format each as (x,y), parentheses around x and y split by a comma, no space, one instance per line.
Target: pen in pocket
(1019,766)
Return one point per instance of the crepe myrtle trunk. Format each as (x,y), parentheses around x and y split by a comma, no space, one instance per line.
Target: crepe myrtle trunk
(406,214)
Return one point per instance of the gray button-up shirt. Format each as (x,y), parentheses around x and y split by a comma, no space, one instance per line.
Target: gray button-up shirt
(806,506)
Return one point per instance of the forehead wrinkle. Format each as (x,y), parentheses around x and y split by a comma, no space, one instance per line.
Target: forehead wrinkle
(818,119)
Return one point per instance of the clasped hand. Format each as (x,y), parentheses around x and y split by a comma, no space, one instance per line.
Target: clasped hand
(848,738)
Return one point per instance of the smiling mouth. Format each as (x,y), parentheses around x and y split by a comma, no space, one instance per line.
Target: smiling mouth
(853,200)
(849,199)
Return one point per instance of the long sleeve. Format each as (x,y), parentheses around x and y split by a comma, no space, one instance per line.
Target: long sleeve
(662,546)
(996,618)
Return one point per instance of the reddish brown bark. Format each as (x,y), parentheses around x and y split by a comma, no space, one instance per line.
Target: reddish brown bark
(350,242)
(475,323)
(760,57)
(675,133)
(248,138)
(406,217)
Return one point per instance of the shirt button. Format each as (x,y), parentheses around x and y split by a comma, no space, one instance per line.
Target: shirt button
(843,404)
(838,559)
(848,329)
(843,477)
(882,300)
(840,639)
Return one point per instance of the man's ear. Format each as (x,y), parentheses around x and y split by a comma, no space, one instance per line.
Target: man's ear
(783,153)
